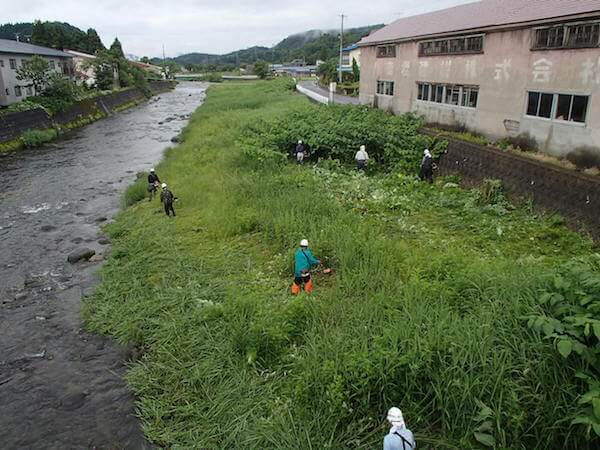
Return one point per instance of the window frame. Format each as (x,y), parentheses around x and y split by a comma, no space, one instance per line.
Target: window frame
(386,54)
(554,108)
(437,97)
(566,36)
(390,84)
(18,91)
(445,45)
(12,62)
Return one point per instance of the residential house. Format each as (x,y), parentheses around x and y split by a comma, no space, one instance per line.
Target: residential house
(349,54)
(12,56)
(503,68)
(84,72)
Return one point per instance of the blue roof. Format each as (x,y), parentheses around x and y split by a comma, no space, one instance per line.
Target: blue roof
(350,48)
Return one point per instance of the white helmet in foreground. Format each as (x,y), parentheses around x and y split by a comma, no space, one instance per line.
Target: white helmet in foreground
(395,417)
(164,185)
(304,243)
(152,170)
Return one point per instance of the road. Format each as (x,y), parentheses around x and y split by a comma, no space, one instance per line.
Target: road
(338,99)
(61,387)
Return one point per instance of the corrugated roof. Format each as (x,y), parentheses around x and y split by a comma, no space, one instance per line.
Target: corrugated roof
(23,48)
(483,14)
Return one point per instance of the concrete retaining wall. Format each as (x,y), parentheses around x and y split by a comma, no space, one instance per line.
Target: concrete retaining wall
(14,125)
(574,195)
(313,95)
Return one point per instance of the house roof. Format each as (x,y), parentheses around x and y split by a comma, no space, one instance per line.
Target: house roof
(350,48)
(79,54)
(23,48)
(482,14)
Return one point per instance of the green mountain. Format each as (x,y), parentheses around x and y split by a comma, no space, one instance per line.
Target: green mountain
(59,35)
(309,46)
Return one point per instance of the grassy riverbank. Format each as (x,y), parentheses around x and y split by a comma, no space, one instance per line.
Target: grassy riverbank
(426,309)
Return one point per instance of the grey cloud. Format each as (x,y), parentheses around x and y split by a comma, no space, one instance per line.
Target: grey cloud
(211,26)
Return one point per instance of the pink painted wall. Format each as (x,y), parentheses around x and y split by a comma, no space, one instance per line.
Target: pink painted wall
(504,73)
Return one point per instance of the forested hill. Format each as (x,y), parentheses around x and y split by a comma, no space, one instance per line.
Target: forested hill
(310,46)
(57,35)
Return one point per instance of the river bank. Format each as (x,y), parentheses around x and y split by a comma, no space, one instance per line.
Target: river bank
(62,387)
(35,127)
(425,309)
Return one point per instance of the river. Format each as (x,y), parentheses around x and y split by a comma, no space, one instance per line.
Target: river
(61,387)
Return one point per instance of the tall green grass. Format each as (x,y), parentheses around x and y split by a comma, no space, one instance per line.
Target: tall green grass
(425,310)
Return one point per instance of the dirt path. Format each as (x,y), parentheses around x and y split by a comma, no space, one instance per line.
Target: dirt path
(60,387)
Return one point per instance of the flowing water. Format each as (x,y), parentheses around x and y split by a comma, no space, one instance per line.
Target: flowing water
(61,387)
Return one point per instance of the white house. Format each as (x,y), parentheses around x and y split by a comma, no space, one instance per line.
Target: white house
(12,56)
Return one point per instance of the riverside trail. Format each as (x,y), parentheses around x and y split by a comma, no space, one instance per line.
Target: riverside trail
(60,386)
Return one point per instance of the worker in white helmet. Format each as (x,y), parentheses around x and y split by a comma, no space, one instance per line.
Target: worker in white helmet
(300,152)
(303,262)
(399,437)
(167,198)
(361,158)
(153,182)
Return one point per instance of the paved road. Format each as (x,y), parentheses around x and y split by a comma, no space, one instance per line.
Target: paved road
(61,387)
(338,99)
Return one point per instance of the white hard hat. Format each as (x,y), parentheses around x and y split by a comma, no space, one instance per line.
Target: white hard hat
(152,170)
(164,185)
(304,243)
(362,147)
(395,417)
(299,142)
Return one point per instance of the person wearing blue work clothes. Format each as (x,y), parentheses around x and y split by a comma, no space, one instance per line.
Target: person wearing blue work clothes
(399,437)
(303,262)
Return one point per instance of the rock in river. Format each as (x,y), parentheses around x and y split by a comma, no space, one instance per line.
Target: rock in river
(79,254)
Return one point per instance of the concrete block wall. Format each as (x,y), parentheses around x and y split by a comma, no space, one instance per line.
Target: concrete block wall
(573,195)
(15,124)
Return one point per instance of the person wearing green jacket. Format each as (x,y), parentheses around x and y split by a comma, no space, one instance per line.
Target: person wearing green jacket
(303,262)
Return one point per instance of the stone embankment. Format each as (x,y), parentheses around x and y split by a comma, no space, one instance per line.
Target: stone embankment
(13,125)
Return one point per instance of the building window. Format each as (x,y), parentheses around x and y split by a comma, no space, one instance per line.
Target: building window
(561,107)
(386,51)
(13,63)
(580,35)
(52,65)
(7,91)
(18,92)
(1,63)
(450,94)
(385,87)
(29,90)
(457,45)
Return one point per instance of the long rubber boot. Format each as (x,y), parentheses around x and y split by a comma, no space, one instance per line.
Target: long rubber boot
(295,289)
(308,287)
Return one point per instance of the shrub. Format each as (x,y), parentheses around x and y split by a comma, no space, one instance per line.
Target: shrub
(35,138)
(585,157)
(523,142)
(338,131)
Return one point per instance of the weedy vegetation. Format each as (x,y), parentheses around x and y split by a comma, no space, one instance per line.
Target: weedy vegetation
(472,315)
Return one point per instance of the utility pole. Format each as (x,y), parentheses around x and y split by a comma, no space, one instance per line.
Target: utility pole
(341,47)
(164,63)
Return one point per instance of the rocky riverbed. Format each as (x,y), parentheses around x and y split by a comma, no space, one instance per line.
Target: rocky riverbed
(61,387)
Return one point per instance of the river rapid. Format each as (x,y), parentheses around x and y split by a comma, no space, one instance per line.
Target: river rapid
(61,387)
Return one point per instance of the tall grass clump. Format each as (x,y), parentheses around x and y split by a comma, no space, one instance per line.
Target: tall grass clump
(429,308)
(136,191)
(36,138)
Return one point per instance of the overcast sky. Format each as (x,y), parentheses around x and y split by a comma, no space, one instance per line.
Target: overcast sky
(210,26)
